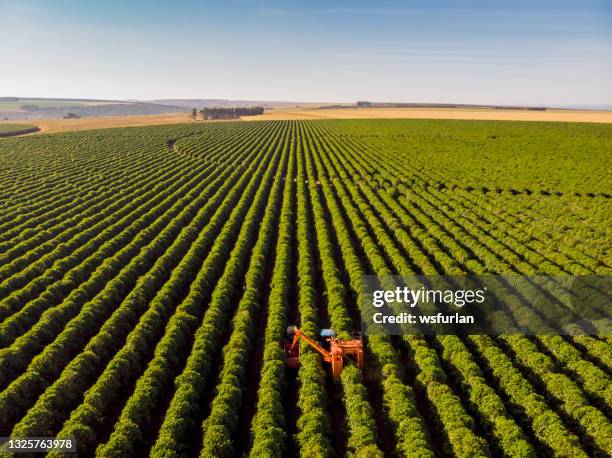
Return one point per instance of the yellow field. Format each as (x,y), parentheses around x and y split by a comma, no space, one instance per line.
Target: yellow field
(103,122)
(438,113)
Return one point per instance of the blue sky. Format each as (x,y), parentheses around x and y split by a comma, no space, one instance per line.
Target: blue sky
(506,52)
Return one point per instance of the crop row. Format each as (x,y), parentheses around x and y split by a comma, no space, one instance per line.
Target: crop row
(148,318)
(602,427)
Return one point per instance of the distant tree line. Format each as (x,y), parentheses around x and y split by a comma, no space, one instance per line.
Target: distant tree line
(229,113)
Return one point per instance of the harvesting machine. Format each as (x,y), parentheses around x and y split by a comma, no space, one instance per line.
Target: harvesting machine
(331,348)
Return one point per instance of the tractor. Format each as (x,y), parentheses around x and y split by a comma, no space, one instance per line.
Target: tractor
(330,347)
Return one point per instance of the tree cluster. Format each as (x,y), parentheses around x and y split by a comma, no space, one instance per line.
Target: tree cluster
(230,113)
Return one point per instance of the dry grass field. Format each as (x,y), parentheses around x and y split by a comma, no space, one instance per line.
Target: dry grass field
(103,122)
(438,113)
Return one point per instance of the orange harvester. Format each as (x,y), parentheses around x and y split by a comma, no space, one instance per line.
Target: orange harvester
(338,349)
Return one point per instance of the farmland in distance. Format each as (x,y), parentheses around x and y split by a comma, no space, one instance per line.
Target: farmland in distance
(147,275)
(11,130)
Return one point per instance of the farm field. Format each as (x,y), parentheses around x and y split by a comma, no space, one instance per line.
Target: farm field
(436,113)
(16,104)
(148,274)
(107,122)
(9,130)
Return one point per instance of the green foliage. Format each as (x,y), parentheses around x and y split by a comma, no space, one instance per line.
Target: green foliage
(136,264)
(532,156)
(8,130)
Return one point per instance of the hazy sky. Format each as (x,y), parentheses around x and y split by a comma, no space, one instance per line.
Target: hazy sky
(556,52)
